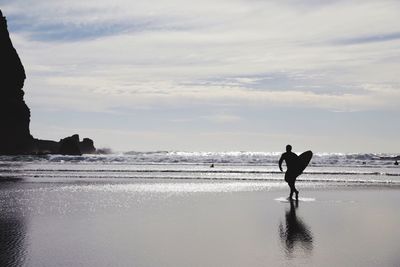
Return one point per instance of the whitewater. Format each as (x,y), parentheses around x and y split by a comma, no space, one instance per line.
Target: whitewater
(170,208)
(325,169)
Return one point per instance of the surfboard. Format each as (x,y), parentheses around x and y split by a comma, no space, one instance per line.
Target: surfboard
(302,161)
(298,165)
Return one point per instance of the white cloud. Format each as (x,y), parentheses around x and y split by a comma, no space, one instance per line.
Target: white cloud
(228,52)
(223,118)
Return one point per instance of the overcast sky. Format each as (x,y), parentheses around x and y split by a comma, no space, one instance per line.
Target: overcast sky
(212,75)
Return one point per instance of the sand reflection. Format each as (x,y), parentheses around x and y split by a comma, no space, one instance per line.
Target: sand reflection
(295,235)
(12,227)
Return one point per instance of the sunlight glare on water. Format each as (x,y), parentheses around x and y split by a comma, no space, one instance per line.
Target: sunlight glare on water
(175,187)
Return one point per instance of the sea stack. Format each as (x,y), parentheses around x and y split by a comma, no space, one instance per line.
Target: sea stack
(15,137)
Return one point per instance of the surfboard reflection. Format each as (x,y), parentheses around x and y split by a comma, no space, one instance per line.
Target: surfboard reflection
(295,233)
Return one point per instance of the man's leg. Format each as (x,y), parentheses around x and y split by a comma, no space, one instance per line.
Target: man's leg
(288,180)
(295,190)
(292,189)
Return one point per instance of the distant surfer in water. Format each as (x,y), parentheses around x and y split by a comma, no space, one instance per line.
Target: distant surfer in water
(291,160)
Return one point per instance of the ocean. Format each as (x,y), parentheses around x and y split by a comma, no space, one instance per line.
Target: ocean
(172,209)
(325,169)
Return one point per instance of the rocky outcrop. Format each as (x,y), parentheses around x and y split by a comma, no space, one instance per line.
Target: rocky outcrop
(15,137)
(70,145)
(67,146)
(46,147)
(87,146)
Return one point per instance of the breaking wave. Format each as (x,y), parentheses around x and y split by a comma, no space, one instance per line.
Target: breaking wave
(325,168)
(221,158)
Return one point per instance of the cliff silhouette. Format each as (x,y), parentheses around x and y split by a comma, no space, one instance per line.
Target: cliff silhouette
(15,136)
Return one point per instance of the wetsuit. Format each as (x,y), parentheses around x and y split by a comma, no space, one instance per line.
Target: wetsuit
(292,170)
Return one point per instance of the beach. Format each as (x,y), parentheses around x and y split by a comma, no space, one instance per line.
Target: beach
(181,223)
(171,133)
(173,209)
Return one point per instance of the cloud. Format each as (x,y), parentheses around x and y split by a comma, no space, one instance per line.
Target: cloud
(98,56)
(107,94)
(222,118)
(62,32)
(370,39)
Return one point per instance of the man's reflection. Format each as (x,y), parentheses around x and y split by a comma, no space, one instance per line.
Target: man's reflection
(295,233)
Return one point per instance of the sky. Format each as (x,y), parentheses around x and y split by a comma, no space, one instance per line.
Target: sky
(212,75)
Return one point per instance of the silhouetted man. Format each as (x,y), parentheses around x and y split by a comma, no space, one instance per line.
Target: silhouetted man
(291,173)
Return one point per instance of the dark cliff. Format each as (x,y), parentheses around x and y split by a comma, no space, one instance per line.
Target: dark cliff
(15,137)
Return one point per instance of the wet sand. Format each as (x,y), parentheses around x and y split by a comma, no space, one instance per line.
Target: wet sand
(174,224)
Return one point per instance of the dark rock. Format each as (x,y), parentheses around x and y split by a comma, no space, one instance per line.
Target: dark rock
(70,145)
(87,146)
(46,147)
(15,137)
(66,146)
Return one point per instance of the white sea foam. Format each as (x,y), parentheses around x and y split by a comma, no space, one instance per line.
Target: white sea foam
(225,158)
(333,168)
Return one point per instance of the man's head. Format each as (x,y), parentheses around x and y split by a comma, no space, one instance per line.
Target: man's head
(288,148)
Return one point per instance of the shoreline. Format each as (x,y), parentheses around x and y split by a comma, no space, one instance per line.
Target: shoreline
(196,224)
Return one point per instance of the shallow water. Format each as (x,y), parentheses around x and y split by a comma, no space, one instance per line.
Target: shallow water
(85,213)
(167,223)
(324,169)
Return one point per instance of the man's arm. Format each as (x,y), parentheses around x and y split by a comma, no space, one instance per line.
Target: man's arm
(280,162)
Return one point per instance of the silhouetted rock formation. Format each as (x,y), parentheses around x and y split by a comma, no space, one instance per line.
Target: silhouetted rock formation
(87,146)
(66,146)
(15,137)
(70,145)
(46,147)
